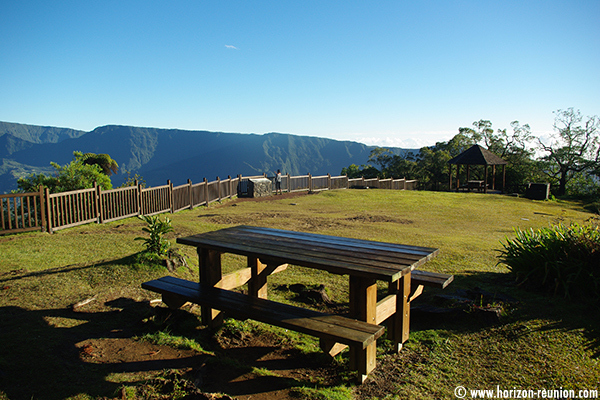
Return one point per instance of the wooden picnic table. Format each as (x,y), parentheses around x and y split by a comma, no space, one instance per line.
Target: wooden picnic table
(364,261)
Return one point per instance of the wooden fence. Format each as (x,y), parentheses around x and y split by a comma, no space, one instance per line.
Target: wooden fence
(22,212)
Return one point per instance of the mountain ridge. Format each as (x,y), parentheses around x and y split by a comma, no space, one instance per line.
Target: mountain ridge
(158,154)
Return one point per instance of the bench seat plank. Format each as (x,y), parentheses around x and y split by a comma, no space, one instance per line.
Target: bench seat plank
(330,327)
(433,279)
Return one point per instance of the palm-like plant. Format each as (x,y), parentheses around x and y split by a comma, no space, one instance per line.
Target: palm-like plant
(156,228)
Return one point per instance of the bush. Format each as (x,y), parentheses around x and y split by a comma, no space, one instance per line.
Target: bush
(156,243)
(561,259)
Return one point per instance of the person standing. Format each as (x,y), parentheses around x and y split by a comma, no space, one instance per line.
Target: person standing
(278,183)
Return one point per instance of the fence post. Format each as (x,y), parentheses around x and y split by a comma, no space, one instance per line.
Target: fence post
(42,209)
(98,198)
(219,188)
(170,194)
(139,198)
(363,181)
(229,186)
(329,181)
(347,182)
(206,192)
(47,198)
(190,193)
(310,183)
(289,183)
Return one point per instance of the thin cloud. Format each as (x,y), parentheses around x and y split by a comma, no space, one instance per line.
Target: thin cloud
(231,47)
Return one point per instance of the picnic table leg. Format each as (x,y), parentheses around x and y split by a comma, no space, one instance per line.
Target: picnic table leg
(209,262)
(257,285)
(399,325)
(363,306)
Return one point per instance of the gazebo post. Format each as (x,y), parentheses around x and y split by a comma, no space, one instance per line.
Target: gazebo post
(450,177)
(457,177)
(493,177)
(503,178)
(485,182)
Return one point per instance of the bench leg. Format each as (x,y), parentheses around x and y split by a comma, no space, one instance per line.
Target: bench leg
(399,324)
(209,262)
(363,306)
(173,301)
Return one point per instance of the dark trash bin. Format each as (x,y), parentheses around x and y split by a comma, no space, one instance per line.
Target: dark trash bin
(538,191)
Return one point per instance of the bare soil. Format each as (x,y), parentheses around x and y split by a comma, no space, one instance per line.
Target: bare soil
(235,368)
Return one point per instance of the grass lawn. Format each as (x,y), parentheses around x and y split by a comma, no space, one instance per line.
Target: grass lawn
(541,342)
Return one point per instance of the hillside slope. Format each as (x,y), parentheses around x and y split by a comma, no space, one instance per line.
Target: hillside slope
(178,155)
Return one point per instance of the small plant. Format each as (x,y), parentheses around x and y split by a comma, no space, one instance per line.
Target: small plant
(156,243)
(561,259)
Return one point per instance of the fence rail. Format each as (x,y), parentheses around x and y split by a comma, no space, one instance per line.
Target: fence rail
(23,212)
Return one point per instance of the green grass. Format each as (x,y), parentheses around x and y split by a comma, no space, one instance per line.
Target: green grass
(544,342)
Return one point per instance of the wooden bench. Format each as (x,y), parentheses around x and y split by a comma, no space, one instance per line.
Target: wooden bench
(330,328)
(432,279)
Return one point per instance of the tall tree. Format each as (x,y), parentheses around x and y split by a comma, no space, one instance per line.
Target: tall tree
(573,148)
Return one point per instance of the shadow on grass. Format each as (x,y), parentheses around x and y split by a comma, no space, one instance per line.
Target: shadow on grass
(23,273)
(42,355)
(517,305)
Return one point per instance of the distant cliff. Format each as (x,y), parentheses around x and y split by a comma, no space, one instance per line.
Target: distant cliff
(161,154)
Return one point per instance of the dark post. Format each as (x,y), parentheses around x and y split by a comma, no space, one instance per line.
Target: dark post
(206,191)
(47,197)
(99,207)
(42,209)
(170,195)
(190,193)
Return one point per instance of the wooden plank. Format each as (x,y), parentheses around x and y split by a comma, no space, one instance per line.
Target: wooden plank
(209,262)
(386,307)
(363,306)
(241,277)
(368,250)
(340,241)
(327,249)
(433,279)
(319,243)
(399,327)
(331,327)
(268,245)
(278,256)
(335,263)
(257,286)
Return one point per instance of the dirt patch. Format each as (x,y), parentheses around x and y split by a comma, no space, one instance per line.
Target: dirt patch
(369,218)
(278,197)
(244,219)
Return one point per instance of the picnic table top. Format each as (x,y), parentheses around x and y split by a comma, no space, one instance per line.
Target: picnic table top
(339,255)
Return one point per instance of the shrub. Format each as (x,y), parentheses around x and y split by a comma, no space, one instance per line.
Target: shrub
(560,259)
(156,243)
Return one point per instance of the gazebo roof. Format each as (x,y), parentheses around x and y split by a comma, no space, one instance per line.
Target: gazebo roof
(477,155)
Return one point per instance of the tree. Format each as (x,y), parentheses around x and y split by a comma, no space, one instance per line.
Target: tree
(104,161)
(73,176)
(354,171)
(574,147)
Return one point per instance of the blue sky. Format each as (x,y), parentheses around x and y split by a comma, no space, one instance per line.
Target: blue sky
(401,73)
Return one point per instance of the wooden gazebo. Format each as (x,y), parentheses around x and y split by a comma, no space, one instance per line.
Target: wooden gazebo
(477,155)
